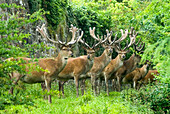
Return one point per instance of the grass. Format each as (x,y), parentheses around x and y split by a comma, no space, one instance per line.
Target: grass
(70,104)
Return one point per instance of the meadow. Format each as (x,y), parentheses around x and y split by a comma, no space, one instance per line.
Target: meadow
(31,101)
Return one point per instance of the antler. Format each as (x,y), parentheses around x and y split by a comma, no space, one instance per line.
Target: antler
(83,42)
(138,49)
(117,42)
(43,33)
(75,30)
(101,40)
(93,34)
(132,36)
(123,37)
(109,39)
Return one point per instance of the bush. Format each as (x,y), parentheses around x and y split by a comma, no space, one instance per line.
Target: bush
(12,32)
(157,97)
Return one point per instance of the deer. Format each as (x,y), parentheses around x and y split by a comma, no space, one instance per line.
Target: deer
(116,63)
(102,61)
(51,66)
(77,68)
(136,75)
(130,64)
(149,78)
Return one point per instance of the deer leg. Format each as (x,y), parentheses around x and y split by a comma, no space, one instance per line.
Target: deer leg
(62,87)
(134,84)
(59,86)
(93,80)
(48,86)
(114,85)
(43,87)
(83,86)
(100,85)
(139,85)
(77,85)
(107,86)
(119,83)
(15,81)
(12,88)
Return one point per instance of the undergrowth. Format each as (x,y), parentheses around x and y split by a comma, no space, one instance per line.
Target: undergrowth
(70,104)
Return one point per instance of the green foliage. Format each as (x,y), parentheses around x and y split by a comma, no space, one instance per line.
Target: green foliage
(71,104)
(34,5)
(155,24)
(156,96)
(85,15)
(13,32)
(57,11)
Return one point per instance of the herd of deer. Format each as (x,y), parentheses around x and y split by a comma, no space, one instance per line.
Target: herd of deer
(65,67)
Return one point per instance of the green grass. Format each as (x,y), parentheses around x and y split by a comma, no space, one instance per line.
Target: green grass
(70,104)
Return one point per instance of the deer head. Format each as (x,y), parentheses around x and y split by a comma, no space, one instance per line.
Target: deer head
(138,49)
(122,52)
(91,50)
(116,44)
(105,45)
(66,47)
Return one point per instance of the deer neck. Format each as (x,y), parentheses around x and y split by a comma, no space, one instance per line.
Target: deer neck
(130,63)
(144,70)
(105,58)
(115,64)
(89,61)
(118,61)
(60,62)
(101,62)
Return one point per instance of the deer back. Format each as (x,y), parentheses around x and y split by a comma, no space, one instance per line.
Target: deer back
(150,76)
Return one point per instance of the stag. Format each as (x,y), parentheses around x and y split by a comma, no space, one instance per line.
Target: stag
(102,61)
(134,76)
(130,64)
(149,78)
(78,67)
(51,66)
(116,63)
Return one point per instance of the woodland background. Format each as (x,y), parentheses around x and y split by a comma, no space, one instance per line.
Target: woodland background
(18,37)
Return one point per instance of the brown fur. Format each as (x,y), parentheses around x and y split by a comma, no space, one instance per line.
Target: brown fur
(150,77)
(128,66)
(52,67)
(112,67)
(99,64)
(77,68)
(134,76)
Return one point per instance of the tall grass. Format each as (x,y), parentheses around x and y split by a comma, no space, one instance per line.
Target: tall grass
(70,104)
